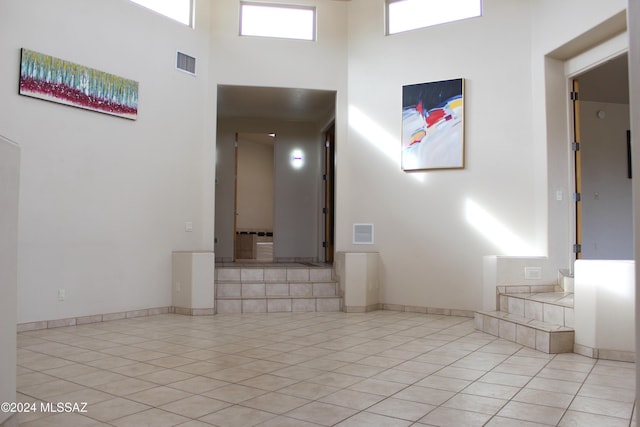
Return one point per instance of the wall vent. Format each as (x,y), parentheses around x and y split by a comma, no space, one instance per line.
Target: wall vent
(363,234)
(186,63)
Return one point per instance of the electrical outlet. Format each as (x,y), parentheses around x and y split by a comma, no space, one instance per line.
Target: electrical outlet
(61,294)
(178,286)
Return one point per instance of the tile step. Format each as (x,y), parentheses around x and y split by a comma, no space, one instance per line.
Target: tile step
(271,297)
(549,307)
(563,299)
(262,289)
(279,305)
(543,336)
(275,274)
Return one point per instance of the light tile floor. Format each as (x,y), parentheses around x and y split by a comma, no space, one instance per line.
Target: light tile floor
(382,368)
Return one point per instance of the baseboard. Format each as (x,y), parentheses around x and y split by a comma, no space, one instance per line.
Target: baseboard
(97,318)
(194,311)
(429,310)
(362,309)
(605,354)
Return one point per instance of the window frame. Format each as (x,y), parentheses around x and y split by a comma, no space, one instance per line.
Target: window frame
(387,18)
(314,21)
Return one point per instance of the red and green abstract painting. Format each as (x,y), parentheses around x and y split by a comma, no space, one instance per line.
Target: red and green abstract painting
(53,79)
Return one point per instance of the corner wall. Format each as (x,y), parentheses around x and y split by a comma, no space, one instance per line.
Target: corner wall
(9,184)
(633,20)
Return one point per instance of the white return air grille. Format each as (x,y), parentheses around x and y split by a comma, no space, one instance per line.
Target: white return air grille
(186,63)
(363,234)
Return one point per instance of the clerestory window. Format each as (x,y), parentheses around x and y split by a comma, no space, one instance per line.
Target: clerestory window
(277,20)
(406,15)
(179,10)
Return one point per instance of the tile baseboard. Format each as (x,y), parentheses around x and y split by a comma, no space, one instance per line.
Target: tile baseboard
(362,309)
(605,354)
(194,311)
(428,310)
(97,318)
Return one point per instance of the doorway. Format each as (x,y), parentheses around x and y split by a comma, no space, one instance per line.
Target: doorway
(254,196)
(300,119)
(604,208)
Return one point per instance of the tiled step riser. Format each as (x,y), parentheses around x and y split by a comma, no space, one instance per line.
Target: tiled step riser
(279,305)
(536,310)
(552,342)
(262,290)
(276,290)
(296,274)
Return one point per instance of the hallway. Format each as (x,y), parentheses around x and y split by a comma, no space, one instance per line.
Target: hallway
(382,368)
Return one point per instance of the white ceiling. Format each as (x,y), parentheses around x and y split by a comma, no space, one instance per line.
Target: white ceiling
(275,103)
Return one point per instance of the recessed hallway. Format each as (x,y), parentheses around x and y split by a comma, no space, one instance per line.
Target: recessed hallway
(382,368)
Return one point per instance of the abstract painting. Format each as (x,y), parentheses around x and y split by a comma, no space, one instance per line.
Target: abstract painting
(432,125)
(52,79)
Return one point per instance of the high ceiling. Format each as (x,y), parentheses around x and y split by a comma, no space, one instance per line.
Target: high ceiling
(275,103)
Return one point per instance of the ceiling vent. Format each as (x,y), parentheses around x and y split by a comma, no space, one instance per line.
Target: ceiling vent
(186,63)
(363,234)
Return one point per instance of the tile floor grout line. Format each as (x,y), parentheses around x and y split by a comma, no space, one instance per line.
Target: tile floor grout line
(384,329)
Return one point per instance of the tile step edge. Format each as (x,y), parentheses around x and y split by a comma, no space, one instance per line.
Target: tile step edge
(531,323)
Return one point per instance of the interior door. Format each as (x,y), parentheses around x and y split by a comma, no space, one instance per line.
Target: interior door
(577,167)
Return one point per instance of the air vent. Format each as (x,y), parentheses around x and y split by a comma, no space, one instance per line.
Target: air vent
(186,63)
(363,234)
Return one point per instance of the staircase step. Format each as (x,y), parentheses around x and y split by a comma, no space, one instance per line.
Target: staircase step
(550,307)
(281,290)
(278,305)
(277,288)
(543,336)
(274,274)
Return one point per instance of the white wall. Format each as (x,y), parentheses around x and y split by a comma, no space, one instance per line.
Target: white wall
(431,227)
(556,40)
(604,302)
(9,183)
(428,225)
(103,200)
(607,206)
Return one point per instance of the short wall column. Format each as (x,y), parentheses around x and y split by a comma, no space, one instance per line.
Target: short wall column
(193,287)
(359,280)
